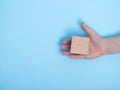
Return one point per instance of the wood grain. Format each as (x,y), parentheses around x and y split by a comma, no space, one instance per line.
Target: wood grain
(80,45)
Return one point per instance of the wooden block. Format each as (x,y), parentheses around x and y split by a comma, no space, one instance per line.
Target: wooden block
(80,45)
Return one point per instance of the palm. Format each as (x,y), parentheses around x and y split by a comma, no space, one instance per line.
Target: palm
(96,49)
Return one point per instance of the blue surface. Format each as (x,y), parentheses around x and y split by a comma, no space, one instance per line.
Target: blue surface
(31,32)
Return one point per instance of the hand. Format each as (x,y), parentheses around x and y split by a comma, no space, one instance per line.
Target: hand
(97,45)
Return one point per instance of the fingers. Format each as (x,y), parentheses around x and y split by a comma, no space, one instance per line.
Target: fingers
(66,44)
(75,56)
(65,47)
(67,41)
(66,53)
(88,30)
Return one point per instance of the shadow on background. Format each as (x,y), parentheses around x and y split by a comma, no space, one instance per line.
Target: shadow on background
(113,35)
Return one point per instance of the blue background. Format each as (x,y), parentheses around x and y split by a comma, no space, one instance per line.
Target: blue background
(31,32)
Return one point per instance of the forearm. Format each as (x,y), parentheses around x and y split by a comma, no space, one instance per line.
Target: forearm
(112,45)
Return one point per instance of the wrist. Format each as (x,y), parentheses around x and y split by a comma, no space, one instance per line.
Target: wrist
(112,45)
(106,44)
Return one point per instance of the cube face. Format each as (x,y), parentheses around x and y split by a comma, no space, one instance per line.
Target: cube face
(80,45)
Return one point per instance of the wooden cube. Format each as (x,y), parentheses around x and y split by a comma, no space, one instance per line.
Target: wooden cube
(80,45)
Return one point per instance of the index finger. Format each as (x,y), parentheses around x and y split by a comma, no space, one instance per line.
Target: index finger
(67,41)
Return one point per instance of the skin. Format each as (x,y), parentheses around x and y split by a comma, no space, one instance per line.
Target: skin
(97,45)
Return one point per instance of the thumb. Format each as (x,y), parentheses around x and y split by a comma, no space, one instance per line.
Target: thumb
(88,30)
